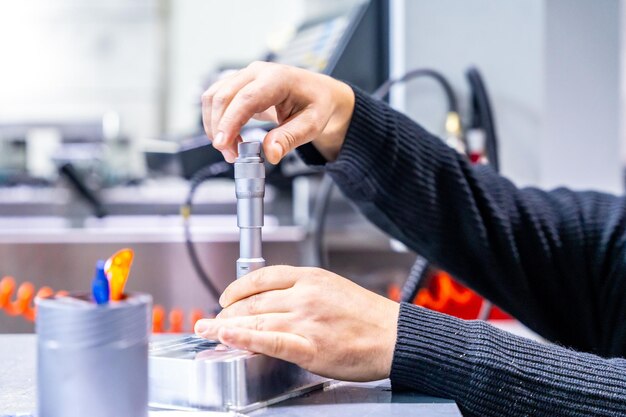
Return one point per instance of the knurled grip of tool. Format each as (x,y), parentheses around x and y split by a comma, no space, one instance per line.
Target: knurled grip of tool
(250,190)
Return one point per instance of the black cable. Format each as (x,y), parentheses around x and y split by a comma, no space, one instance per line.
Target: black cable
(81,188)
(482,115)
(382,91)
(318,221)
(198,178)
(415,280)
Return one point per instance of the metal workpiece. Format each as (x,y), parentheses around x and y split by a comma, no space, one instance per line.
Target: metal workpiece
(197,374)
(250,191)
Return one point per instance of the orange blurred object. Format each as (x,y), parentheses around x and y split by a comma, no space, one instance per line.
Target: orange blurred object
(176,320)
(442,293)
(117,269)
(158,318)
(25,295)
(23,303)
(196,315)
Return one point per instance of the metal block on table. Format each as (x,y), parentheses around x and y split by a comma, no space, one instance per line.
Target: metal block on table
(194,373)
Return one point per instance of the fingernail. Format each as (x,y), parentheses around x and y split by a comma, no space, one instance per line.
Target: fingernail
(201,327)
(218,140)
(277,149)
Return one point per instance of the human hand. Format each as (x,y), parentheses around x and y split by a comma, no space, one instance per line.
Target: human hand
(309,316)
(307,106)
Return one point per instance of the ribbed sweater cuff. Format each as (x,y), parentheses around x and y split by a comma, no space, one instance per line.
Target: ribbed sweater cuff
(310,155)
(430,352)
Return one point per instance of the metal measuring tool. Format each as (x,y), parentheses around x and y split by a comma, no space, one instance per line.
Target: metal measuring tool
(250,190)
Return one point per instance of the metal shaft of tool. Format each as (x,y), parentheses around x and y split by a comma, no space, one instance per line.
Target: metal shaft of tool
(250,190)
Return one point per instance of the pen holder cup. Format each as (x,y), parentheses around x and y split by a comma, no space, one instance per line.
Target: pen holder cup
(92,360)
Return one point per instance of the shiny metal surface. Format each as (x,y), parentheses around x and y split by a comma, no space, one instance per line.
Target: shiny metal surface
(343,399)
(250,190)
(370,399)
(193,373)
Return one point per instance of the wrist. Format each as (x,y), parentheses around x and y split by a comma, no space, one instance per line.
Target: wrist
(331,140)
(389,340)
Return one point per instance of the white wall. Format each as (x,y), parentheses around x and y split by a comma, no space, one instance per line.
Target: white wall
(533,54)
(75,60)
(206,33)
(581,136)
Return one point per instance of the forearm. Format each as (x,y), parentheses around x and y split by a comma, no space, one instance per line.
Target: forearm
(489,372)
(531,252)
(420,191)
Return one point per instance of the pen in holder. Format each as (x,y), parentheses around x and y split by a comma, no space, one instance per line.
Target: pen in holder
(92,360)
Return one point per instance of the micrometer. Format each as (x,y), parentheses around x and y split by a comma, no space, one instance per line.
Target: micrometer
(250,190)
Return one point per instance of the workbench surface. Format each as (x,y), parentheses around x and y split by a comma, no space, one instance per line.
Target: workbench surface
(18,383)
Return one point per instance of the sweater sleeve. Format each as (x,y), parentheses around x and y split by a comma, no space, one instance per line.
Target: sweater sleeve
(555,260)
(489,372)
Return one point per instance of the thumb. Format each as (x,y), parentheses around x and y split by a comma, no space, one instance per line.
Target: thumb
(297,130)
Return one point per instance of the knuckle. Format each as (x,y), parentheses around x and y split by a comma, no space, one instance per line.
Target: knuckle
(310,274)
(231,120)
(206,98)
(224,314)
(282,69)
(256,65)
(309,303)
(259,323)
(253,304)
(220,99)
(308,356)
(207,128)
(276,269)
(290,138)
(248,95)
(272,269)
(257,279)
(225,297)
(277,345)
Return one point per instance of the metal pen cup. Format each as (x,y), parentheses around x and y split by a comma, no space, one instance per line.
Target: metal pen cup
(92,360)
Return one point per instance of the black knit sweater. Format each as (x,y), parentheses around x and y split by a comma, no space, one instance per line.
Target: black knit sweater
(555,260)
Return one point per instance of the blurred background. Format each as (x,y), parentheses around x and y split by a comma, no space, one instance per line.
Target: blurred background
(101,134)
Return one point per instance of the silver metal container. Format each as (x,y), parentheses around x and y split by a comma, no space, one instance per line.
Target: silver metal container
(92,360)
